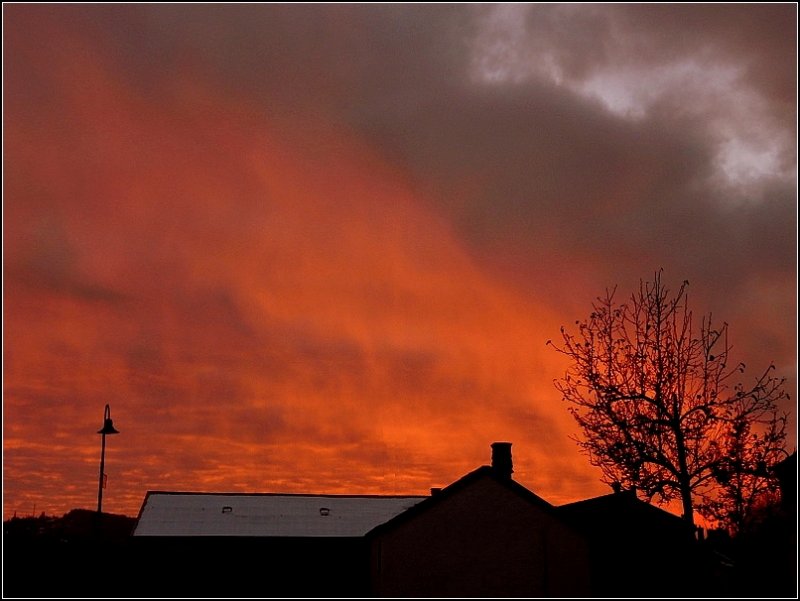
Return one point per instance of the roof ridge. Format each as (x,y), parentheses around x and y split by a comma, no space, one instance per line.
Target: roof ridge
(452,488)
(283,494)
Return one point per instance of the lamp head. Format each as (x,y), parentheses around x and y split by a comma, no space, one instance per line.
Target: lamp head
(108,423)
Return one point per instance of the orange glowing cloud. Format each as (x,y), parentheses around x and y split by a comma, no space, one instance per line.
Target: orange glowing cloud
(265,301)
(321,249)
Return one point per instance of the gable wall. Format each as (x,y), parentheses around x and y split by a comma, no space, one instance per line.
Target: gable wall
(483,540)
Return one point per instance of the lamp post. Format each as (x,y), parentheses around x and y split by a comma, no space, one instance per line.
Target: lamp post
(108,428)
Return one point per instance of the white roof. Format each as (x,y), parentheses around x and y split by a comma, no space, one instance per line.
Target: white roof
(215,514)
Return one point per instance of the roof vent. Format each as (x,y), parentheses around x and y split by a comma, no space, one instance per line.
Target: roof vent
(324,511)
(227,509)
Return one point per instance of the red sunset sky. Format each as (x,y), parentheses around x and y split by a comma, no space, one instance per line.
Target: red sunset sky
(315,248)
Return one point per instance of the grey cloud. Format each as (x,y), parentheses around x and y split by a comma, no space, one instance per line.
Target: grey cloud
(761,37)
(531,174)
(48,260)
(545,187)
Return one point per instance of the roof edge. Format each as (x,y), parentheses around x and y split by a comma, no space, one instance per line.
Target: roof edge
(280,494)
(484,471)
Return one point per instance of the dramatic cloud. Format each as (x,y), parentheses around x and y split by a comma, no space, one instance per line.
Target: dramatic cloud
(320,248)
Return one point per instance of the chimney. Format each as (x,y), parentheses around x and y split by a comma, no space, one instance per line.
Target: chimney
(501,459)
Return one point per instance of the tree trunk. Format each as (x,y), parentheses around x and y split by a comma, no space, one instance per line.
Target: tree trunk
(686,499)
(683,478)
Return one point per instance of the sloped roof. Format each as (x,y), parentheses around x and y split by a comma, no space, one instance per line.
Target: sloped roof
(787,466)
(622,512)
(485,471)
(218,514)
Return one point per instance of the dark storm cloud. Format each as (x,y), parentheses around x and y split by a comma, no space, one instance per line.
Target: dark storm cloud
(528,164)
(525,168)
(404,75)
(550,172)
(761,38)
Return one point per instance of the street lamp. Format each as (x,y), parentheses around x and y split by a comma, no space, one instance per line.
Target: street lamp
(108,428)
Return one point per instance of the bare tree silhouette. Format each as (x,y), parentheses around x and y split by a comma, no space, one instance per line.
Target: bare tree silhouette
(659,410)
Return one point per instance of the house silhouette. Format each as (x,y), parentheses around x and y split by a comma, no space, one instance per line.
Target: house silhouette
(635,548)
(484,535)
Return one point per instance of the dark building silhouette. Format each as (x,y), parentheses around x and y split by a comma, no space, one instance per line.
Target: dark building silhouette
(636,549)
(765,550)
(278,545)
(786,473)
(483,536)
